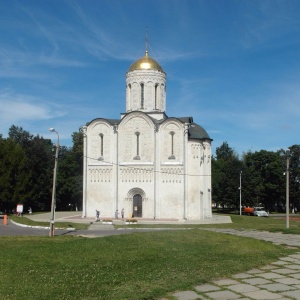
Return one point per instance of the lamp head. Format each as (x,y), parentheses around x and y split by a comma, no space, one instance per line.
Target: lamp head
(52,129)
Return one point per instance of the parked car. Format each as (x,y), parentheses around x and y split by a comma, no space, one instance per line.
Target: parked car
(260,212)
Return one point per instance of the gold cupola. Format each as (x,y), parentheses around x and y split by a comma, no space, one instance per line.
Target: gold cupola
(146,63)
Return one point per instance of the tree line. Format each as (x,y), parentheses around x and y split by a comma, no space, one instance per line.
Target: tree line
(262,175)
(26,172)
(27,162)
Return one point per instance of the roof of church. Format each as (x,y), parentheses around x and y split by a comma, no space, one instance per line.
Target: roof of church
(146,63)
(110,121)
(198,132)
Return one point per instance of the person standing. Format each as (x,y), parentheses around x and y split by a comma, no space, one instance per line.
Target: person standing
(122,213)
(97,215)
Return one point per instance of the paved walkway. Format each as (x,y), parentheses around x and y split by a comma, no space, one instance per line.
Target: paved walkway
(279,280)
(76,217)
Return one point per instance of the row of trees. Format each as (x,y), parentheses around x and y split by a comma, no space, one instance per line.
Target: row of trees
(262,175)
(26,172)
(27,162)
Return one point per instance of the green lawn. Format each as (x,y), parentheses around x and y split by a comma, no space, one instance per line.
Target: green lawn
(134,266)
(273,224)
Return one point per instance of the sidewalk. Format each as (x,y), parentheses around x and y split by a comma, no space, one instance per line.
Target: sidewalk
(64,216)
(279,280)
(76,217)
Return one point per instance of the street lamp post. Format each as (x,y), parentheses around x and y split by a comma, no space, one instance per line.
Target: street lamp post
(240,193)
(287,208)
(51,233)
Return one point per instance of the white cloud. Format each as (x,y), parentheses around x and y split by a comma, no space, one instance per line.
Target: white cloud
(19,108)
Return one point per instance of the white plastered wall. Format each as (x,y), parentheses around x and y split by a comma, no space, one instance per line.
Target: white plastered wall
(100,178)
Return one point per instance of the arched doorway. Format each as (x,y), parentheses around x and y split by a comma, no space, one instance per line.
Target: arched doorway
(137,206)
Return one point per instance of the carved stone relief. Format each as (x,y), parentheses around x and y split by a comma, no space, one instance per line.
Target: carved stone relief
(172,175)
(136,174)
(195,151)
(101,174)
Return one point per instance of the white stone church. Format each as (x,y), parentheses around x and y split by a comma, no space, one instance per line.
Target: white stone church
(151,165)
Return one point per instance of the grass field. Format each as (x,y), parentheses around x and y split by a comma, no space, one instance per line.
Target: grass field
(135,266)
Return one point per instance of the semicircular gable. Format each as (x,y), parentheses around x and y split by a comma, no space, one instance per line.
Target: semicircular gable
(172,133)
(172,123)
(135,115)
(99,124)
(136,138)
(100,142)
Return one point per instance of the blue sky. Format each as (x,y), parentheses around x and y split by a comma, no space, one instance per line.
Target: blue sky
(233,65)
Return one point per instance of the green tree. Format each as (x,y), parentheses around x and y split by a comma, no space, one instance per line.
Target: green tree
(69,179)
(295,176)
(225,152)
(26,171)
(264,180)
(13,174)
(226,168)
(37,167)
(40,167)
(20,136)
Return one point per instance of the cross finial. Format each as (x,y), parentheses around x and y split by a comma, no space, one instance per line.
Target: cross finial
(146,40)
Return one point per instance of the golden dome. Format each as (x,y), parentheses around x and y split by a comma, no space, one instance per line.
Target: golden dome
(146,63)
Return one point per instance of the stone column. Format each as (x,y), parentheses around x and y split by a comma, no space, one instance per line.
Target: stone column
(155,169)
(116,166)
(185,168)
(83,129)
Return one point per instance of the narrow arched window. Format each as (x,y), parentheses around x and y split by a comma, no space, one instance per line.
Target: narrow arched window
(129,93)
(101,146)
(142,95)
(155,96)
(172,133)
(137,157)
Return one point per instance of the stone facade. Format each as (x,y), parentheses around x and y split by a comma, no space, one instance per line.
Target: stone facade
(146,163)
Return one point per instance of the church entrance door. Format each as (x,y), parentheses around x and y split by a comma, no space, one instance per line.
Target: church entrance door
(137,206)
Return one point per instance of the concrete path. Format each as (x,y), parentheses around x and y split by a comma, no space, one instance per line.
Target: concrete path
(279,280)
(76,217)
